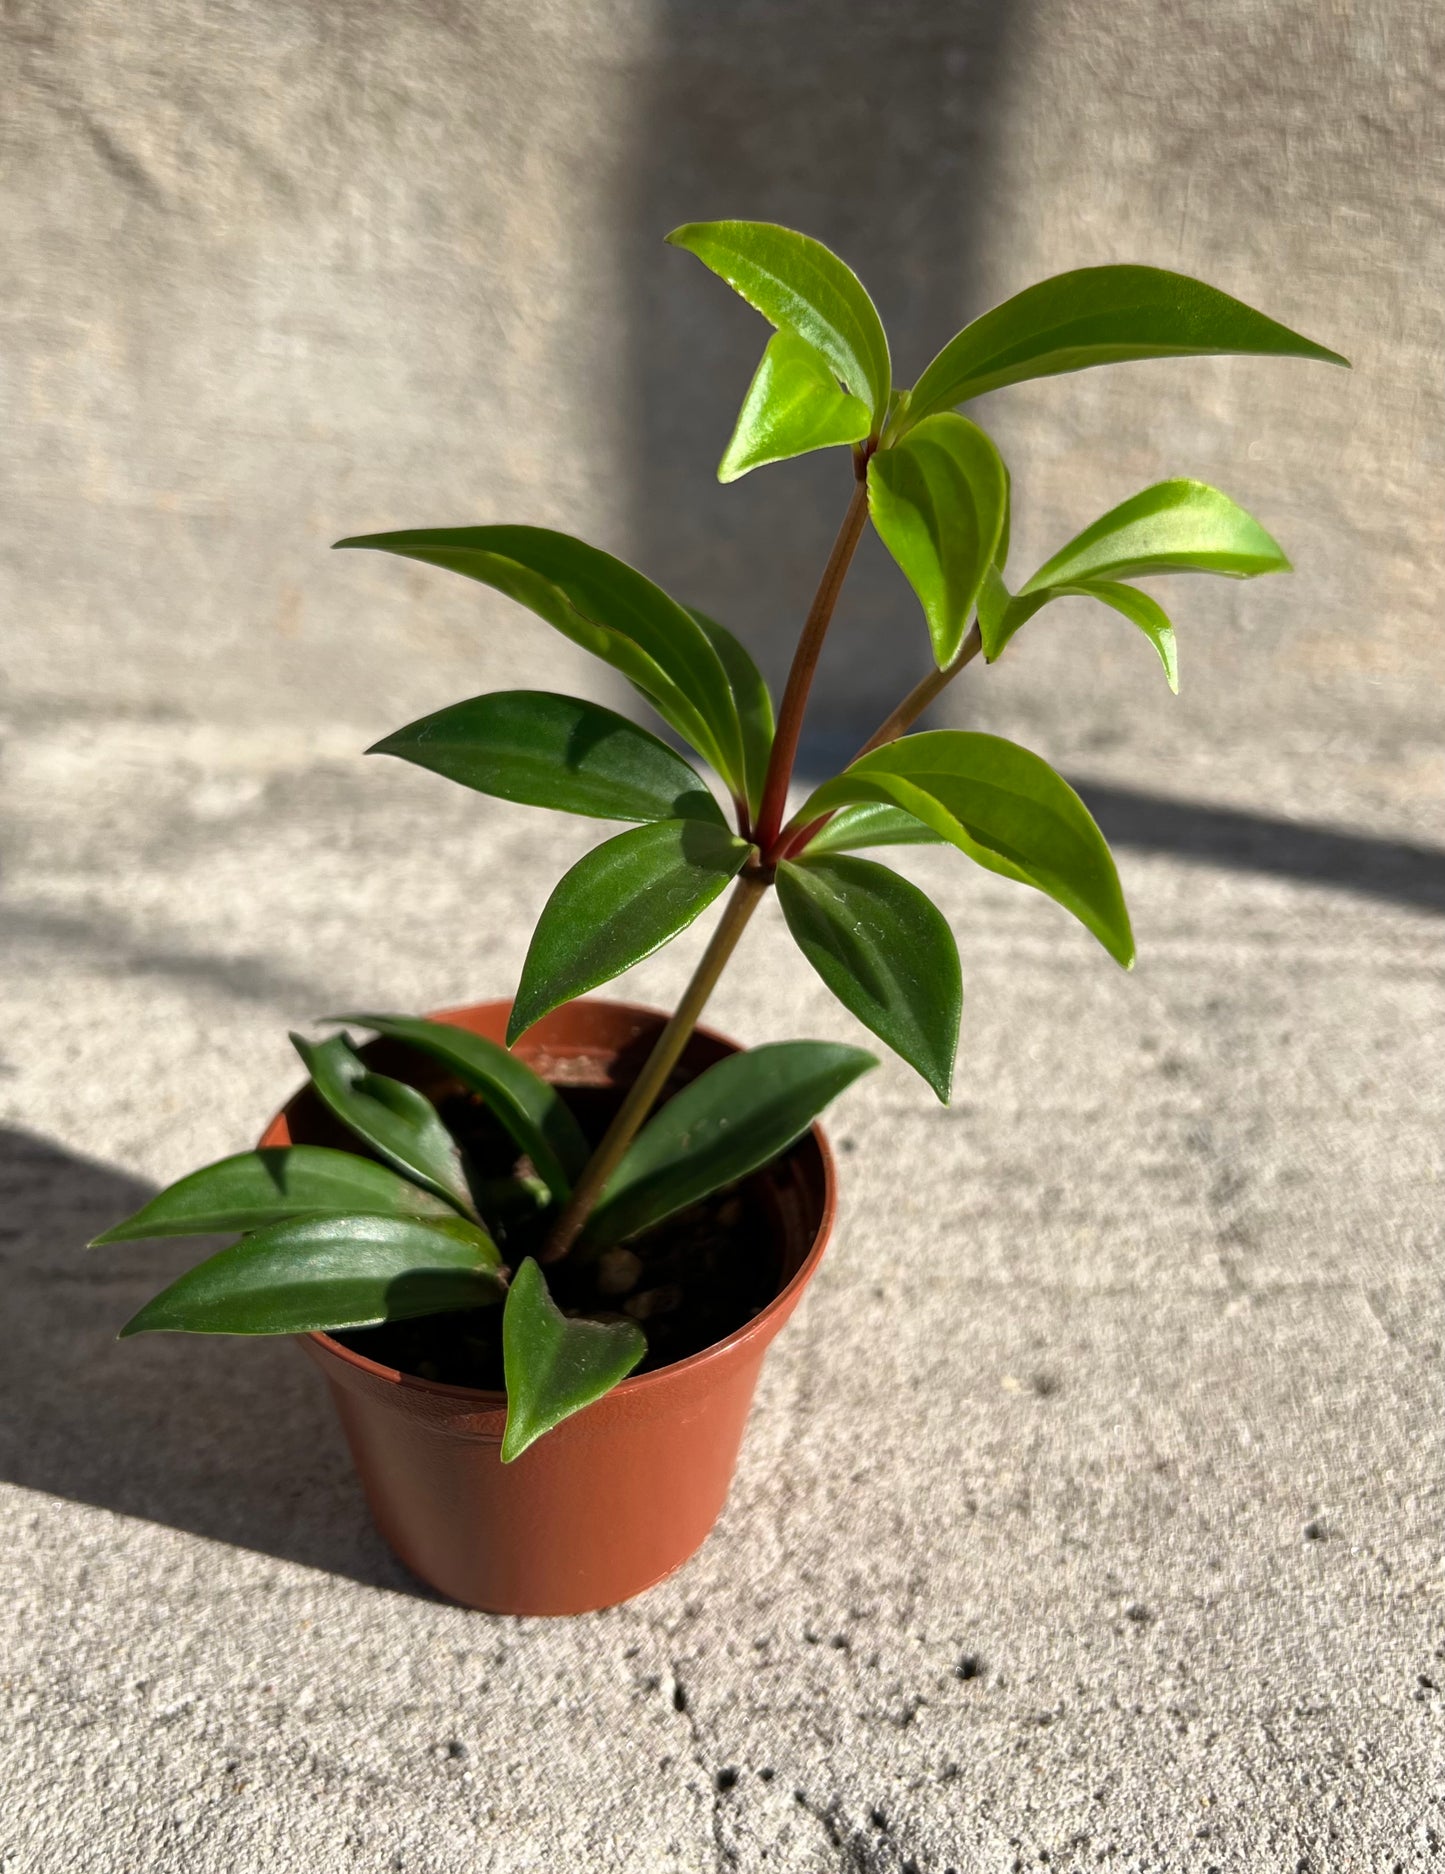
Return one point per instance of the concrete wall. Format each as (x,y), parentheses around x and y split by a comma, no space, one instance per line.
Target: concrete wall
(275,272)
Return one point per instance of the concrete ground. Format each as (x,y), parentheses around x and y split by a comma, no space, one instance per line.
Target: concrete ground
(1090,1513)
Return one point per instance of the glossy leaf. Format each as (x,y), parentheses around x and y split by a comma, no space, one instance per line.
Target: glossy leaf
(1007,809)
(393,1119)
(1173,527)
(279,1182)
(605,606)
(546,750)
(554,1366)
(537,1118)
(734,1118)
(871,823)
(1098,315)
(939,500)
(619,903)
(752,701)
(1001,619)
(794,405)
(799,286)
(316,1273)
(885,951)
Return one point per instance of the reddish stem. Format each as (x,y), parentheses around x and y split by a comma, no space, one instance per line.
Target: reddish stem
(805,662)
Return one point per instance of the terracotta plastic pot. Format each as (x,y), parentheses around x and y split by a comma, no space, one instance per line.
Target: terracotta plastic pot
(623,1492)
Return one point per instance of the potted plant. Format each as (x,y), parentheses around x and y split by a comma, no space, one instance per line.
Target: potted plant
(481,1223)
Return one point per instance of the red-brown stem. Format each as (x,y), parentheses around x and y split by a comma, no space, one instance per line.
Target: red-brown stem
(746,895)
(805,662)
(641,1095)
(794,836)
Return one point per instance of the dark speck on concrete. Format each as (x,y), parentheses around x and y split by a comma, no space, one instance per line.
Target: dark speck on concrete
(969,1667)
(1138,1613)
(726,1779)
(1315,1530)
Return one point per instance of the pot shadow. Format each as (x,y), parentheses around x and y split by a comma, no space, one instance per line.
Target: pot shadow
(223,1438)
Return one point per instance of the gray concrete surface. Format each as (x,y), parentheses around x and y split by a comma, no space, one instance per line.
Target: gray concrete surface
(1091,1512)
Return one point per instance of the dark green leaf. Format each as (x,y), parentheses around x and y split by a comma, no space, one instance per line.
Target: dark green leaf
(537,1118)
(278,1182)
(619,903)
(1173,527)
(799,286)
(731,1120)
(317,1273)
(871,823)
(554,1366)
(794,404)
(939,499)
(392,1118)
(556,751)
(605,606)
(885,952)
(752,701)
(1004,807)
(1098,315)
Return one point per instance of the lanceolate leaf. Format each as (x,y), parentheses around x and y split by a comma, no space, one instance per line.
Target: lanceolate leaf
(328,1272)
(871,823)
(939,499)
(1173,527)
(885,951)
(1098,315)
(999,622)
(793,405)
(605,606)
(618,904)
(392,1118)
(1006,809)
(270,1186)
(731,1120)
(554,1366)
(752,701)
(799,286)
(537,1118)
(556,751)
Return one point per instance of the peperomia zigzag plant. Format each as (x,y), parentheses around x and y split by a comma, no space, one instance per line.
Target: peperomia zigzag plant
(335,1240)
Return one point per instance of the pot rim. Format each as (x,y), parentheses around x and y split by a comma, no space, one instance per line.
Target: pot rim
(639,1382)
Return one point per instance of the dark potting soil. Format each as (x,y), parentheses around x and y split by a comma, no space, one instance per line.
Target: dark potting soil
(691,1281)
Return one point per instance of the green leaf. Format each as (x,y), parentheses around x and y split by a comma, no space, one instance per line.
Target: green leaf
(619,903)
(1098,315)
(1000,616)
(554,1366)
(939,500)
(1173,527)
(605,606)
(793,405)
(393,1119)
(316,1273)
(731,1120)
(799,286)
(871,823)
(556,751)
(278,1182)
(537,1118)
(885,951)
(1007,809)
(752,701)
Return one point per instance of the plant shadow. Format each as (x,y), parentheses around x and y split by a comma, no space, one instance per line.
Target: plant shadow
(229,1439)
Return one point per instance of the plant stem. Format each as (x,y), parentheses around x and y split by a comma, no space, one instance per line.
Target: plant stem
(746,895)
(795,836)
(805,662)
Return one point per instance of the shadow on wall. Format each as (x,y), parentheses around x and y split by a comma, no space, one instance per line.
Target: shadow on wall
(878,142)
(233,1439)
